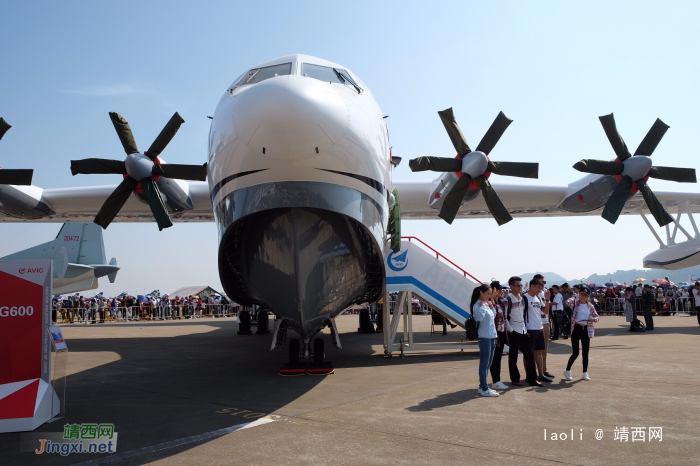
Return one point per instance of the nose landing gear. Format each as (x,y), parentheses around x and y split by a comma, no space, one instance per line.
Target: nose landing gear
(306,362)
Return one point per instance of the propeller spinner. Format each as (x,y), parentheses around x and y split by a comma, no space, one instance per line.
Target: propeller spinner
(140,171)
(474,167)
(13,176)
(633,171)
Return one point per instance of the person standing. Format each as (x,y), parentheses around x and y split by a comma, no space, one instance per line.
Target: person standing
(566,294)
(629,306)
(518,338)
(696,300)
(500,304)
(582,330)
(485,314)
(536,313)
(557,312)
(648,301)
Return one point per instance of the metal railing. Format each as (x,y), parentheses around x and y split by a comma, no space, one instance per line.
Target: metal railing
(63,315)
(441,256)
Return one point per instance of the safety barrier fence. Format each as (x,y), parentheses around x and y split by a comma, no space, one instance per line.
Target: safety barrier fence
(664,305)
(145,312)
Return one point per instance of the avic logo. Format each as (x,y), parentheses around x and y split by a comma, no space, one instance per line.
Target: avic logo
(399,262)
(22,271)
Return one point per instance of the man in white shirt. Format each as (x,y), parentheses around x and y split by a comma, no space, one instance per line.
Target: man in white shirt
(638,298)
(518,338)
(557,308)
(538,310)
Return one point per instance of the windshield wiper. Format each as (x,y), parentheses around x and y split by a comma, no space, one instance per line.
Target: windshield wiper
(343,77)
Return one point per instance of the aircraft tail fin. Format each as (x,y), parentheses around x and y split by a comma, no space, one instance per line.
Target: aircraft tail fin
(83,242)
(112,276)
(60,263)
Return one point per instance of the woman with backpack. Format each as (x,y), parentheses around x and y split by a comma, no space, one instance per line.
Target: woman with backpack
(484,313)
(581,330)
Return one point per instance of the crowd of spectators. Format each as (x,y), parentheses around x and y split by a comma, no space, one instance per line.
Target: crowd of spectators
(101,309)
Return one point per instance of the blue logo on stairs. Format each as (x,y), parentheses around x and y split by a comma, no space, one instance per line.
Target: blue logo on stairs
(399,262)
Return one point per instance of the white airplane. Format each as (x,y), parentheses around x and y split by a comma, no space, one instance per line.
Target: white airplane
(300,180)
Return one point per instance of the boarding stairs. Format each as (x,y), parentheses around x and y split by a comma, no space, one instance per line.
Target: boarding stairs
(418,269)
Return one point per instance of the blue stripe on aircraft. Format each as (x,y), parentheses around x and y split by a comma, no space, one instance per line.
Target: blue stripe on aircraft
(428,291)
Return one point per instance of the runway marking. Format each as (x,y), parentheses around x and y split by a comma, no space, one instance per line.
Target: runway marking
(180,442)
(248,414)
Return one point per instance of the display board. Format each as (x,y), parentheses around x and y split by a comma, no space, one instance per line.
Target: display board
(27,399)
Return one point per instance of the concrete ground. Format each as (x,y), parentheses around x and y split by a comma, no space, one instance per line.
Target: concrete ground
(163,383)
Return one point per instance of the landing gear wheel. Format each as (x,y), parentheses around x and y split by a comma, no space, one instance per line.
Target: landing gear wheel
(319,353)
(319,366)
(263,322)
(294,347)
(244,325)
(293,367)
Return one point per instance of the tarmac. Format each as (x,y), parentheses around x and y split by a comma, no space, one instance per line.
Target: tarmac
(193,392)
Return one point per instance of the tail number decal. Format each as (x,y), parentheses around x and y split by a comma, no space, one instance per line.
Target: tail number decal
(71,238)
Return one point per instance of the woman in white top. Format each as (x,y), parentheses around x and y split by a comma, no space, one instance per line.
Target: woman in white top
(581,330)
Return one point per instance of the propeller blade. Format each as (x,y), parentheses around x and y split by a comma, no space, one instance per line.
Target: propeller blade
(616,141)
(115,202)
(97,167)
(519,169)
(454,199)
(599,167)
(165,136)
(435,164)
(4,126)
(181,172)
(124,132)
(681,175)
(493,202)
(498,127)
(652,139)
(155,201)
(16,176)
(456,136)
(613,208)
(655,207)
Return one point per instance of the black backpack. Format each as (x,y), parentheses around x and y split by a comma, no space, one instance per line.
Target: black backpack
(637,326)
(472,327)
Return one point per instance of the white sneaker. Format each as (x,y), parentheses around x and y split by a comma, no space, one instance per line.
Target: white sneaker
(567,374)
(585,376)
(499,386)
(487,392)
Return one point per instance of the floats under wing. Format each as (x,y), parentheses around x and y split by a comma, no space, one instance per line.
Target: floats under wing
(532,200)
(59,205)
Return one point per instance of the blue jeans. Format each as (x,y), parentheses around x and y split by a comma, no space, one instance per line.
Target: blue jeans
(487,346)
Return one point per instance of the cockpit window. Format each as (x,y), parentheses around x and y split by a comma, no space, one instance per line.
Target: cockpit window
(328,74)
(257,75)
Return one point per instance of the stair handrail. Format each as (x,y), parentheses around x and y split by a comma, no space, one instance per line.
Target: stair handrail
(438,256)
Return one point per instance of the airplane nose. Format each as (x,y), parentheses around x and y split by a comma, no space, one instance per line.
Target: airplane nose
(290,117)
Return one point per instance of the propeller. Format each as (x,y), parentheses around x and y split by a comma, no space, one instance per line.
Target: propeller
(474,167)
(632,171)
(141,171)
(13,176)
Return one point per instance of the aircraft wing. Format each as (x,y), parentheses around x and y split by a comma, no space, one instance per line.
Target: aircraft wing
(527,200)
(82,204)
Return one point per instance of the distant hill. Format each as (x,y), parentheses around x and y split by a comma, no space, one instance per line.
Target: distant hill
(622,276)
(550,277)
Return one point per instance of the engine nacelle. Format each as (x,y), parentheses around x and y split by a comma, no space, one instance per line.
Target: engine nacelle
(23,202)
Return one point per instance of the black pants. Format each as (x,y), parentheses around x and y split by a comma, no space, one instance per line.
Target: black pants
(697,314)
(496,363)
(565,328)
(580,333)
(648,319)
(519,341)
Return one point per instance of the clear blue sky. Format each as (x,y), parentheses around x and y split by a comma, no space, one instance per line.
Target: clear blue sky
(552,67)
